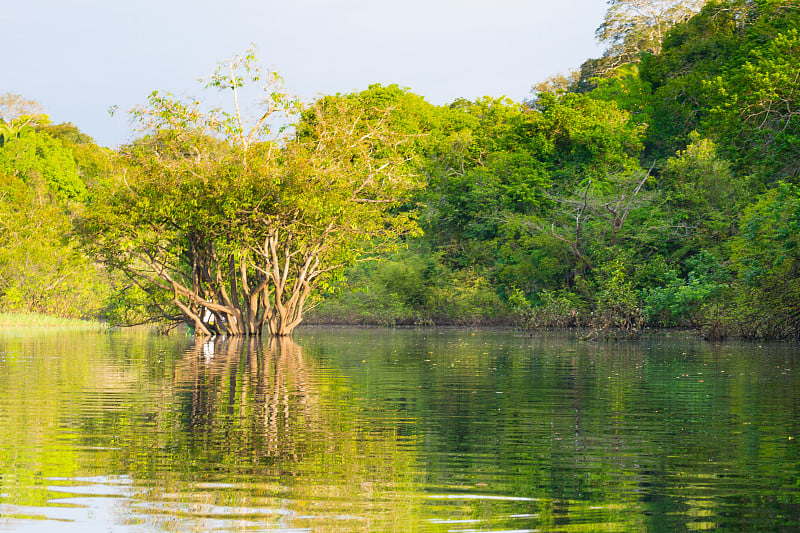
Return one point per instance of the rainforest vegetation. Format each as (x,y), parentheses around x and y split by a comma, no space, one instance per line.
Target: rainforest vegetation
(655,186)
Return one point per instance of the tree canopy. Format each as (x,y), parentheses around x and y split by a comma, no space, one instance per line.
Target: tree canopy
(230,228)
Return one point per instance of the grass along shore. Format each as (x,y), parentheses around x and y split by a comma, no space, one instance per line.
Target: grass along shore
(36,320)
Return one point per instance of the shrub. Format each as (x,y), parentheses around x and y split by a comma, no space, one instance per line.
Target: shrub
(618,304)
(680,302)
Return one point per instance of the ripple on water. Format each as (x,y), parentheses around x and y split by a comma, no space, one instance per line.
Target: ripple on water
(395,431)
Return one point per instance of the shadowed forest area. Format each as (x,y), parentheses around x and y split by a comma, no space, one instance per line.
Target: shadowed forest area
(655,186)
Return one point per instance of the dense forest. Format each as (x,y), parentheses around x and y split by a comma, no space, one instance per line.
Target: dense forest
(655,186)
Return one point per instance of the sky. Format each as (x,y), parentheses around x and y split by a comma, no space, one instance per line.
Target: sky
(78,58)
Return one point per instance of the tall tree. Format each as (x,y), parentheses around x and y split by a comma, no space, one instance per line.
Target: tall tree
(18,115)
(633,27)
(14,107)
(229,227)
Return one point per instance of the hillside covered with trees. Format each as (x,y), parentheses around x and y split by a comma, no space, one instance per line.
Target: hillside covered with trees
(655,186)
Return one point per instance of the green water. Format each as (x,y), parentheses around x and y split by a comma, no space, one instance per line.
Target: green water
(383,430)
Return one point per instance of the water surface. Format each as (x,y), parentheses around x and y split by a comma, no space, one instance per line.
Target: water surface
(392,430)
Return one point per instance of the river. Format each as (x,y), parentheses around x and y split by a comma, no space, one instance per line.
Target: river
(342,430)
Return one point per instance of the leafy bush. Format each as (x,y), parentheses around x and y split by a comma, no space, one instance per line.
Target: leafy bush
(618,304)
(41,268)
(411,289)
(683,302)
(466,297)
(555,310)
(766,259)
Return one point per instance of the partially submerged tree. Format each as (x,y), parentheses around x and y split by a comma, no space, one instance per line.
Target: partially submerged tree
(230,228)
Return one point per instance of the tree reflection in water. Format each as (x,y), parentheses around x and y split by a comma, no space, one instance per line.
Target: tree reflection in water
(396,431)
(259,427)
(249,397)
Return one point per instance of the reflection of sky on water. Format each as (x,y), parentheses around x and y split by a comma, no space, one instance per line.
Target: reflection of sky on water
(115,503)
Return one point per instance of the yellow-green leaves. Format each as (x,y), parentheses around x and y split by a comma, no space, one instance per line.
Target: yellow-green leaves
(216,216)
(39,158)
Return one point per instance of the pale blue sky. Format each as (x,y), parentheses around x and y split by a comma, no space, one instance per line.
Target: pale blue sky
(80,57)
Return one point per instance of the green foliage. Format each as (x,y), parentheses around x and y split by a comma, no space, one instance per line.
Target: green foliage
(600,220)
(394,291)
(614,196)
(474,206)
(758,108)
(130,305)
(769,236)
(407,281)
(492,210)
(95,163)
(476,173)
(529,258)
(766,258)
(580,137)
(682,302)
(704,196)
(42,188)
(12,131)
(467,298)
(617,303)
(692,53)
(43,162)
(628,90)
(362,297)
(41,268)
(230,231)
(730,74)
(554,309)
(412,288)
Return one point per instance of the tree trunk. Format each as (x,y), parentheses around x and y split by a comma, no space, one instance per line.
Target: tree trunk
(284,318)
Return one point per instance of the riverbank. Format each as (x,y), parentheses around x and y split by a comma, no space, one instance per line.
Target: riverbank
(37,320)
